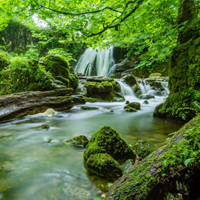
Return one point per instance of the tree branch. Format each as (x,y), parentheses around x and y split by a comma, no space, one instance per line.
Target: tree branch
(122,19)
(76,14)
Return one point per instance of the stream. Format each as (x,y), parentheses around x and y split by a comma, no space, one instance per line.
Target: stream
(37,163)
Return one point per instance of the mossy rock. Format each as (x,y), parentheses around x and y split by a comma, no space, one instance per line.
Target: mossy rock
(90,99)
(89,108)
(25,75)
(143,148)
(57,66)
(135,105)
(79,141)
(104,165)
(107,140)
(44,126)
(104,90)
(145,102)
(130,80)
(129,109)
(154,75)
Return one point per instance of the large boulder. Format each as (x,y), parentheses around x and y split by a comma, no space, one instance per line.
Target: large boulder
(60,70)
(102,88)
(104,165)
(129,80)
(108,144)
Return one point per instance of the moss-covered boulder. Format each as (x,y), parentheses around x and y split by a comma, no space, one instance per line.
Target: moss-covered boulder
(183,102)
(25,75)
(102,88)
(107,140)
(79,141)
(143,148)
(170,172)
(60,70)
(102,164)
(135,105)
(130,109)
(129,80)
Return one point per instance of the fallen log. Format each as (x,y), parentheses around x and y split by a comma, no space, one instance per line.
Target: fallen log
(30,103)
(170,172)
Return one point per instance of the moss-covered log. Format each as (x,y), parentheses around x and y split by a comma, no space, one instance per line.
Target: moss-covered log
(170,172)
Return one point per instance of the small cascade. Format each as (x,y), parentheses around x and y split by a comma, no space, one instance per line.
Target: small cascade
(144,87)
(96,62)
(127,92)
(166,91)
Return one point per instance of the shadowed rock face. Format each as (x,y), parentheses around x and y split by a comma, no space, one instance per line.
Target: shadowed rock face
(29,103)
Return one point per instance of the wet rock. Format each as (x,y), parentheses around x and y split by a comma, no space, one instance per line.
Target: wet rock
(102,185)
(80,141)
(90,99)
(135,105)
(89,108)
(147,96)
(146,102)
(49,111)
(105,151)
(154,75)
(44,126)
(129,80)
(143,148)
(127,102)
(78,99)
(129,109)
(30,103)
(104,165)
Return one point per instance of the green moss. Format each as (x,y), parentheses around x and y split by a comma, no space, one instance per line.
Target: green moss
(176,160)
(143,148)
(104,90)
(184,79)
(104,165)
(107,140)
(56,65)
(129,109)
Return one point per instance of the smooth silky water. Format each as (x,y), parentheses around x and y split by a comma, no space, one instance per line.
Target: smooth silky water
(37,163)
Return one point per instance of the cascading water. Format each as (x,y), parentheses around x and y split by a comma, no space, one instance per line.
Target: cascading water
(127,92)
(144,87)
(96,62)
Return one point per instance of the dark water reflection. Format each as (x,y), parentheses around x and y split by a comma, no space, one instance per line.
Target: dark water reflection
(37,164)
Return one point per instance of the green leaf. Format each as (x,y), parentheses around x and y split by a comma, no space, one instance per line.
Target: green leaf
(187,162)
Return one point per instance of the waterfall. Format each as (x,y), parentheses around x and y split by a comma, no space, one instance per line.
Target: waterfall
(96,62)
(166,89)
(144,87)
(127,92)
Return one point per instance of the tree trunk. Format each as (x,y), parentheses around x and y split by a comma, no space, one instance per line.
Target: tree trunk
(184,82)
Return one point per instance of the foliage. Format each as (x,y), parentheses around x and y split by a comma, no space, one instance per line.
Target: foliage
(23,75)
(32,52)
(61,52)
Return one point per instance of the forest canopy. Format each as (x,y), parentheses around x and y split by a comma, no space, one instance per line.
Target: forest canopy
(148,26)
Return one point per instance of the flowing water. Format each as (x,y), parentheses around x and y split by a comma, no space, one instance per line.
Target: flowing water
(37,164)
(96,62)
